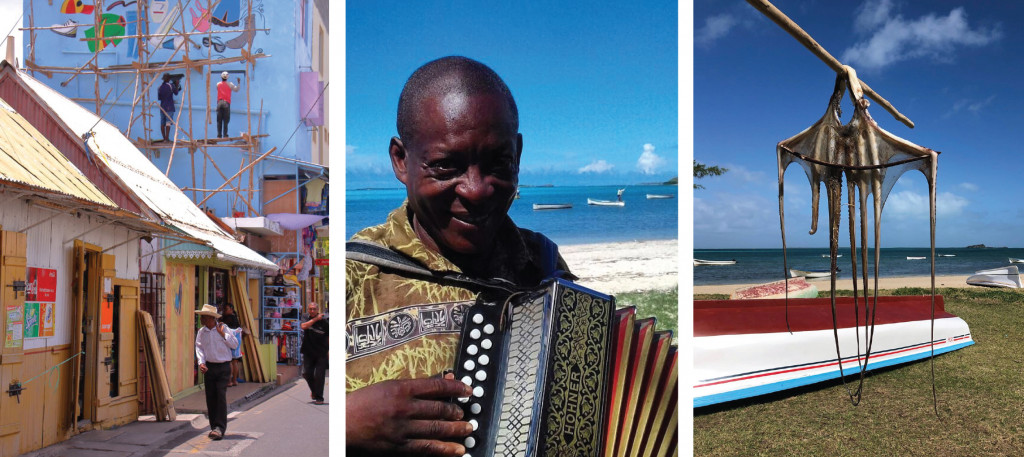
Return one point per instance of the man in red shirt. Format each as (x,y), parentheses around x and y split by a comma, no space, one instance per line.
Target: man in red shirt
(224,90)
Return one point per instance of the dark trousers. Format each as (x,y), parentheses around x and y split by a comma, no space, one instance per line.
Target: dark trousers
(216,383)
(314,369)
(223,116)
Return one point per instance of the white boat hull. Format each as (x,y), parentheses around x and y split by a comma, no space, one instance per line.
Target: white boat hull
(794,273)
(544,206)
(591,201)
(697,262)
(657,196)
(1006,277)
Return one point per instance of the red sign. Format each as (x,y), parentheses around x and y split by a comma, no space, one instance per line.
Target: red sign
(106,316)
(321,262)
(42,285)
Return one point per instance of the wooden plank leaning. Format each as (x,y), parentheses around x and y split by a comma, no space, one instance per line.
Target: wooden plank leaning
(158,382)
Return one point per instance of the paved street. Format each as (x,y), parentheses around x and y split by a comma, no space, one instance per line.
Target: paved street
(285,424)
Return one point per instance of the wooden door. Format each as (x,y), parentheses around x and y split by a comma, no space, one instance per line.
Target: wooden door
(103,364)
(12,305)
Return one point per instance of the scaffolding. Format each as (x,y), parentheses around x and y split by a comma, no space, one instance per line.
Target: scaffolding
(145,71)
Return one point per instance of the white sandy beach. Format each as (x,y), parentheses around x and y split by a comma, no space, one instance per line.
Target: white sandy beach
(823,285)
(614,268)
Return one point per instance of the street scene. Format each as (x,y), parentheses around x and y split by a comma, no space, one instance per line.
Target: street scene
(164,227)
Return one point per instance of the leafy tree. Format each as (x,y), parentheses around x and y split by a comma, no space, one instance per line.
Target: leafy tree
(700,170)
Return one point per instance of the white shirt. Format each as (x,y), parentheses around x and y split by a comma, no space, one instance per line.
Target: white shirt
(211,347)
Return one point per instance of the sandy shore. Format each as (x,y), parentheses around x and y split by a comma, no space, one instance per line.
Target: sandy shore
(846,284)
(624,267)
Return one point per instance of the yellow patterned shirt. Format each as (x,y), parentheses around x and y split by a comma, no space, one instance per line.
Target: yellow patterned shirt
(401,327)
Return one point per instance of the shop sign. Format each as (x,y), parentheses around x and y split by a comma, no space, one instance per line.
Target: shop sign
(13,334)
(42,285)
(321,262)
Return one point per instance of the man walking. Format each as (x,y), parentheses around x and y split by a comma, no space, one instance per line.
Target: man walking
(314,352)
(214,342)
(224,90)
(166,93)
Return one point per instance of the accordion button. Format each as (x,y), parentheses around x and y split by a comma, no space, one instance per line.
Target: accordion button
(488,329)
(464,400)
(475,334)
(467,380)
(469,365)
(481,375)
(474,423)
(478,391)
(478,318)
(475,408)
(472,349)
(470,442)
(486,344)
(484,360)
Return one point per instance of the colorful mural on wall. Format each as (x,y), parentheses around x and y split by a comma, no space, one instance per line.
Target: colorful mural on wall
(168,24)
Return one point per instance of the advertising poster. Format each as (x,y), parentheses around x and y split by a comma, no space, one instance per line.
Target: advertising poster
(46,319)
(42,285)
(31,320)
(106,315)
(12,336)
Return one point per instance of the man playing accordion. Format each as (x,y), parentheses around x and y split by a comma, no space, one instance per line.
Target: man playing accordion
(457,152)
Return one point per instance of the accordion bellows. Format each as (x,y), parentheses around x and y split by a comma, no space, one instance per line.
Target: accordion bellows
(560,372)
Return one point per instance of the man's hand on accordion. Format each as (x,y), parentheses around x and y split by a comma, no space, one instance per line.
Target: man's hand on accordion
(411,416)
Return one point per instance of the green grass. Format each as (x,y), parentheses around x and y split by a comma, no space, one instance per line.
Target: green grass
(663,305)
(980,399)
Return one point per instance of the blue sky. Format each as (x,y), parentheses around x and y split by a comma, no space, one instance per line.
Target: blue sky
(954,68)
(596,85)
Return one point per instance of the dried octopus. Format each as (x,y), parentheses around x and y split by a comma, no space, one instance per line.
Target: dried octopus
(871,160)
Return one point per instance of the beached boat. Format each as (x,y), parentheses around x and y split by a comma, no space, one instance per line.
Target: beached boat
(796,288)
(591,201)
(742,348)
(809,274)
(713,262)
(1007,277)
(657,196)
(915,258)
(1013,260)
(540,206)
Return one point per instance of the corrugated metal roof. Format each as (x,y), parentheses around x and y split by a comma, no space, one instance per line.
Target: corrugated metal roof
(28,158)
(154,188)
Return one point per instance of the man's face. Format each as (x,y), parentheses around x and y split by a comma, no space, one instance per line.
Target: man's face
(314,310)
(460,170)
(208,321)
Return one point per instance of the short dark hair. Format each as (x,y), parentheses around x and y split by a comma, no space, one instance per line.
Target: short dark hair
(452,73)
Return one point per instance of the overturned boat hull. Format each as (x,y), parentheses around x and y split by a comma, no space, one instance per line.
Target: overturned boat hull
(1005,277)
(742,348)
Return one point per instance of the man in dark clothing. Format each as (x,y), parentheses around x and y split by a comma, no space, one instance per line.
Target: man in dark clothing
(166,94)
(314,352)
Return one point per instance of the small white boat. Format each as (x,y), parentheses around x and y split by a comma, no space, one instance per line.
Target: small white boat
(541,206)
(591,201)
(916,258)
(953,255)
(1013,260)
(809,274)
(657,196)
(697,262)
(828,256)
(1006,277)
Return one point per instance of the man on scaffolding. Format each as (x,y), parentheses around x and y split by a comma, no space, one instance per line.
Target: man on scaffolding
(166,94)
(224,89)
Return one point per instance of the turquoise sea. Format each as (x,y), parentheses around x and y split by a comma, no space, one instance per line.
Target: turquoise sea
(639,219)
(763,265)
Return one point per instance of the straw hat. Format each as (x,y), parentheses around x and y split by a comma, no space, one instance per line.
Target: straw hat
(209,310)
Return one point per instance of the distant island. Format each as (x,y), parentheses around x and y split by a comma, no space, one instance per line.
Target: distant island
(982,246)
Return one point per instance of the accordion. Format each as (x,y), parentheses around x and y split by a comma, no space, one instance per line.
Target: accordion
(558,371)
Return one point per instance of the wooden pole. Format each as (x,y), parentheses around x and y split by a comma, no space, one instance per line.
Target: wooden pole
(260,158)
(787,24)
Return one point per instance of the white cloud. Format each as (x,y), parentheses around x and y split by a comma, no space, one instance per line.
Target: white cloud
(970,187)
(893,39)
(649,162)
(745,175)
(972,106)
(599,166)
(349,149)
(909,204)
(715,27)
